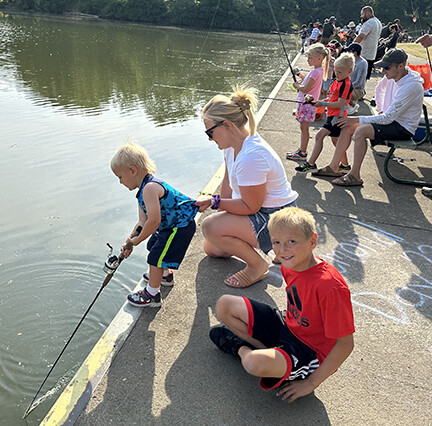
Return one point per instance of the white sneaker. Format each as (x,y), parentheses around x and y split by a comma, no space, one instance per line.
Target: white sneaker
(353,110)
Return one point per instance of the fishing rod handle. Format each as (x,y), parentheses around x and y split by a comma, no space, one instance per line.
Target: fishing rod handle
(129,245)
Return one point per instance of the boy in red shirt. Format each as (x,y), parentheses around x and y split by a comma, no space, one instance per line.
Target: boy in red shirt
(337,106)
(316,333)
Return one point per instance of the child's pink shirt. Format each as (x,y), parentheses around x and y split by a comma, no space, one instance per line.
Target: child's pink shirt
(317,75)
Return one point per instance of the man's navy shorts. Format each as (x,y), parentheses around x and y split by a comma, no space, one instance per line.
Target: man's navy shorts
(389,132)
(267,325)
(167,247)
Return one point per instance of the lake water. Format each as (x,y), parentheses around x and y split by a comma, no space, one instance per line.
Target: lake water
(72,92)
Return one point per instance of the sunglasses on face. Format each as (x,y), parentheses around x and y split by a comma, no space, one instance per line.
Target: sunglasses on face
(209,132)
(387,67)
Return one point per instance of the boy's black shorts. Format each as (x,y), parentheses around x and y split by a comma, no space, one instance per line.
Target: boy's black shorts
(168,247)
(332,128)
(267,325)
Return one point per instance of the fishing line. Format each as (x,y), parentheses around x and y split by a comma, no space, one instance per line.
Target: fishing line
(211,25)
(213,91)
(111,266)
(414,13)
(280,38)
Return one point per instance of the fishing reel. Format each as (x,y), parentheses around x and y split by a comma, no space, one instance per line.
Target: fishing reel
(112,262)
(309,99)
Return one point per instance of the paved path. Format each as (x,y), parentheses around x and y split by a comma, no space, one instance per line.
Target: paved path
(379,236)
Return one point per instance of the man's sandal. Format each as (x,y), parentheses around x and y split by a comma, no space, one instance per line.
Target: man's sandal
(327,171)
(347,180)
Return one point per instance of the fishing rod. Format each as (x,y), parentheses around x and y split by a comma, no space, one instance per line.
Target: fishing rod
(429,58)
(280,38)
(110,266)
(212,91)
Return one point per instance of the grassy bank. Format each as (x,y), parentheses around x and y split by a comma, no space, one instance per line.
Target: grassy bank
(414,49)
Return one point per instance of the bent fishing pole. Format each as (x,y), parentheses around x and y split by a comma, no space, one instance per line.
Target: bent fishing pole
(110,266)
(280,38)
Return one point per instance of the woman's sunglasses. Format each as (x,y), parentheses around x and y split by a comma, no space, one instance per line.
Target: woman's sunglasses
(209,132)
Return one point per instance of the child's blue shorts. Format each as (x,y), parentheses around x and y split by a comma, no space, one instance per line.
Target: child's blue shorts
(267,324)
(167,247)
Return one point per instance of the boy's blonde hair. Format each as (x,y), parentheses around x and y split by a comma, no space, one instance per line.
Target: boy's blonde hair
(238,108)
(345,60)
(132,154)
(292,216)
(318,49)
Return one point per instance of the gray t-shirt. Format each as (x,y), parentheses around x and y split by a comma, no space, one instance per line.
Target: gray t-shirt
(372,29)
(358,76)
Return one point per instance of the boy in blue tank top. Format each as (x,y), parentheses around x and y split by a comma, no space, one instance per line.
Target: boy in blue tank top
(165,215)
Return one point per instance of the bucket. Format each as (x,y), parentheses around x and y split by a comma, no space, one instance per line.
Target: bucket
(425,73)
(420,132)
(319,113)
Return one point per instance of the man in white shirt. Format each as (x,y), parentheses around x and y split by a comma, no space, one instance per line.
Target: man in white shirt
(369,36)
(398,122)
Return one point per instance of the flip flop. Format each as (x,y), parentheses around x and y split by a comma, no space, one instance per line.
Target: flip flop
(327,171)
(242,280)
(347,180)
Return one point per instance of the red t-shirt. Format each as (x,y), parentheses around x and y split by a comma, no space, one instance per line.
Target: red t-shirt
(339,89)
(319,307)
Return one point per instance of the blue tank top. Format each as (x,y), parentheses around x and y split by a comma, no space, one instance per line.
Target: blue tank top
(177,209)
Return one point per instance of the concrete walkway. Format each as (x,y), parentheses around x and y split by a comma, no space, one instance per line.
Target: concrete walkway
(380,238)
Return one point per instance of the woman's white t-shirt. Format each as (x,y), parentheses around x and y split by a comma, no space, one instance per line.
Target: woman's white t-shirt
(258,163)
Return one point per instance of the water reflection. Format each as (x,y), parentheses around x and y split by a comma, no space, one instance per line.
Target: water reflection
(92,66)
(70,94)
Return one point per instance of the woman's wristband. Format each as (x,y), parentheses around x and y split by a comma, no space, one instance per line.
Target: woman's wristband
(323,103)
(215,201)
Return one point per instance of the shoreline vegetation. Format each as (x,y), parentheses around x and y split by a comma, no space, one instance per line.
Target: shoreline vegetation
(233,15)
(5,8)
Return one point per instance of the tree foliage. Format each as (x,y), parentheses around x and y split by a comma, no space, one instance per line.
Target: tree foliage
(249,15)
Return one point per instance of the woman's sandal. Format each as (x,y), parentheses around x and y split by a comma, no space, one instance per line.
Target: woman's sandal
(242,280)
(347,180)
(327,171)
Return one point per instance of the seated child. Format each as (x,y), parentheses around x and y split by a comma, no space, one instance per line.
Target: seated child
(337,106)
(316,335)
(164,213)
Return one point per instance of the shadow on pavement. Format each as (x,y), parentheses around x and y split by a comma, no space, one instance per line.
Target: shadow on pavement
(211,387)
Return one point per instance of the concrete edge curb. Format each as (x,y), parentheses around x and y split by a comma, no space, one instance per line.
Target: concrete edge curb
(78,392)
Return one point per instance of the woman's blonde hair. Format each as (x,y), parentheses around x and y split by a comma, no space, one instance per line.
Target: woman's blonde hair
(132,154)
(318,49)
(238,108)
(292,216)
(345,60)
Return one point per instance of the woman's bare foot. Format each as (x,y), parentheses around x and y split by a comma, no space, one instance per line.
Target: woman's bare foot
(247,276)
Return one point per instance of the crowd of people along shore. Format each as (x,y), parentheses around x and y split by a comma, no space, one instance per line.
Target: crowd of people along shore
(256,211)
(341,61)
